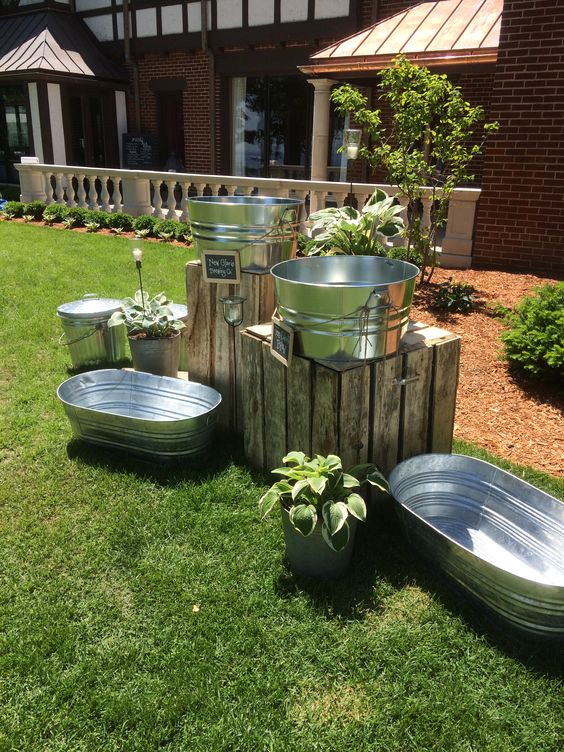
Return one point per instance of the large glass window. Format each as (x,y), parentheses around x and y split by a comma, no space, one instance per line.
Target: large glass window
(271,126)
(14,131)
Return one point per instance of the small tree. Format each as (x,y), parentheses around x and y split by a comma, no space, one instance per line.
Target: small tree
(430,144)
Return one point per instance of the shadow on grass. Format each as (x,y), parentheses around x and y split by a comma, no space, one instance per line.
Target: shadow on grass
(382,554)
(225,450)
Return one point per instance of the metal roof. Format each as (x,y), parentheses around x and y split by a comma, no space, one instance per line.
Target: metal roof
(52,43)
(444,32)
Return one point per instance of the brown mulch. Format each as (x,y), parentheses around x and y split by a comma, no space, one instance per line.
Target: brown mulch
(516,418)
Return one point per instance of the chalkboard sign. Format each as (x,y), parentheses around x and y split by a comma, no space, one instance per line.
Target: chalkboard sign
(221,266)
(282,342)
(139,151)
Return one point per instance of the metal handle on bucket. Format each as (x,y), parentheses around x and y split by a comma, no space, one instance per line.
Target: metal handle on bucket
(78,339)
(90,296)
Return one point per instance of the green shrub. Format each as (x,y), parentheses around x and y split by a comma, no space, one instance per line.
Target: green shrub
(96,216)
(183,232)
(13,209)
(77,214)
(144,225)
(120,222)
(165,228)
(54,213)
(406,254)
(34,209)
(456,297)
(534,343)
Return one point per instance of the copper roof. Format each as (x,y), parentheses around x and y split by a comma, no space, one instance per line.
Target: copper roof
(52,43)
(432,33)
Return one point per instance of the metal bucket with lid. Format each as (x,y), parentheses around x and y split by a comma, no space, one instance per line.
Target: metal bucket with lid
(86,332)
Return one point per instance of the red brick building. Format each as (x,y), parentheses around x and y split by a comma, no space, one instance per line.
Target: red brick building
(216,85)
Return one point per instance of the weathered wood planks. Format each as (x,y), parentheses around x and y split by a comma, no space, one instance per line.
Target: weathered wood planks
(381,412)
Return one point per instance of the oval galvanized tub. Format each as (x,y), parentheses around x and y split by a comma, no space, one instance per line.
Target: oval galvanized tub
(263,229)
(153,416)
(345,308)
(86,332)
(496,535)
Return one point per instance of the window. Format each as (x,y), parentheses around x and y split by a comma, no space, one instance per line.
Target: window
(14,130)
(271,126)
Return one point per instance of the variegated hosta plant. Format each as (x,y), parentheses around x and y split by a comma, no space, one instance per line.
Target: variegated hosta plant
(319,489)
(149,316)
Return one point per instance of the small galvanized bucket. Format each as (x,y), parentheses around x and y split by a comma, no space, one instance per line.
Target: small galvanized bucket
(263,229)
(86,332)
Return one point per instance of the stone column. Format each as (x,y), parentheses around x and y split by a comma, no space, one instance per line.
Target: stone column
(320,136)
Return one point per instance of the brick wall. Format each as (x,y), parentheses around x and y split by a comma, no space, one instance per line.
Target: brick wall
(193,67)
(520,222)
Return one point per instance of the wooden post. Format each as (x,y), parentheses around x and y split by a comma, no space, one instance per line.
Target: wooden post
(213,347)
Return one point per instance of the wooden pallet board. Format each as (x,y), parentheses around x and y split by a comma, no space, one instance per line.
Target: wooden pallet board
(381,411)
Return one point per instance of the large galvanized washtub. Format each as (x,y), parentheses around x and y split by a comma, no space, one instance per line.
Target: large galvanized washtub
(154,416)
(496,535)
(345,308)
(263,229)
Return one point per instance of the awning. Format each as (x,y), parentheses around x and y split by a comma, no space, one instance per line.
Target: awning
(53,43)
(444,32)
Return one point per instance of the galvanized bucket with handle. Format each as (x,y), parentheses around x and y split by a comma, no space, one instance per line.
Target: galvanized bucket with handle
(261,228)
(86,332)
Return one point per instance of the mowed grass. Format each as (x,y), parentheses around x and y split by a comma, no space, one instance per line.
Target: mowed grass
(147,608)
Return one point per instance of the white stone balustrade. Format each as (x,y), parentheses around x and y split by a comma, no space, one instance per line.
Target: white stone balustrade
(134,192)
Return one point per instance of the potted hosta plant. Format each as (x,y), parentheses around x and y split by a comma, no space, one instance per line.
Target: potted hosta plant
(346,230)
(153,329)
(320,510)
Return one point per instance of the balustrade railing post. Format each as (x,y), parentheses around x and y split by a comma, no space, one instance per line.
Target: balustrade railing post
(136,194)
(32,184)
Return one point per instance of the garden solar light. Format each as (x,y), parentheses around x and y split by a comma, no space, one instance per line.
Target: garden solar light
(233,309)
(351,142)
(137,253)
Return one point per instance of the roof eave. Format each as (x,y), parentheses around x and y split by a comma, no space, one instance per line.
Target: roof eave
(378,62)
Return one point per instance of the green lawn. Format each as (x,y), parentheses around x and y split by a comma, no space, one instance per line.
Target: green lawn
(147,608)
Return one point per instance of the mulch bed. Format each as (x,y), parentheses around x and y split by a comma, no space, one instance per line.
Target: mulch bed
(516,418)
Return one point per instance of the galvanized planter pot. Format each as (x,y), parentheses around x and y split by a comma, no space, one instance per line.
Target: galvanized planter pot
(345,308)
(148,415)
(261,228)
(158,355)
(310,556)
(496,535)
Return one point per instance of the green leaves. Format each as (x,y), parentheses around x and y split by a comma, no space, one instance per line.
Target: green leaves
(318,488)
(145,314)
(304,518)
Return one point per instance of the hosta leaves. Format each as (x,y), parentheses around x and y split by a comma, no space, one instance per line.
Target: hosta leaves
(299,487)
(267,501)
(335,514)
(304,518)
(349,481)
(377,479)
(317,484)
(297,458)
(337,541)
(356,506)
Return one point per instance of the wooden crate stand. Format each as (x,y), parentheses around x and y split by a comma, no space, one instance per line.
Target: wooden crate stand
(381,412)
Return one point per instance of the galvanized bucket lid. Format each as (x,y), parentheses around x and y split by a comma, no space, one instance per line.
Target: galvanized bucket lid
(90,306)
(179,310)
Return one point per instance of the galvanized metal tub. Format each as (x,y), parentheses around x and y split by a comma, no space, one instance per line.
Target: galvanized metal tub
(345,308)
(154,416)
(496,535)
(263,229)
(86,332)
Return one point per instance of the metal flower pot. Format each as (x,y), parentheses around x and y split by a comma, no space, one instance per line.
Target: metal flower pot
(345,308)
(310,555)
(261,228)
(157,355)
